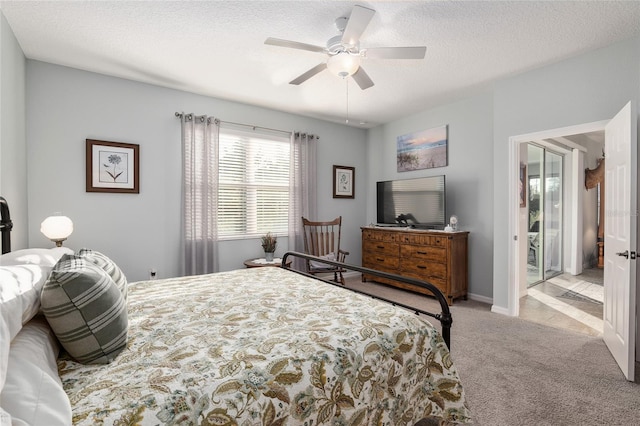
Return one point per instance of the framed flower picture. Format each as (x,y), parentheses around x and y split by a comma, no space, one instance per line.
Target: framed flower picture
(112,167)
(343,181)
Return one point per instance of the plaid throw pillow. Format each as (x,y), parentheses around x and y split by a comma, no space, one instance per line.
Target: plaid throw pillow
(85,310)
(109,267)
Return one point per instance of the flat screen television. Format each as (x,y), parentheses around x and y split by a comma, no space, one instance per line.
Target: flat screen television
(418,202)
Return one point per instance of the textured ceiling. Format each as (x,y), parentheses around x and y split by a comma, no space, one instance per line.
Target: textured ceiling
(216,48)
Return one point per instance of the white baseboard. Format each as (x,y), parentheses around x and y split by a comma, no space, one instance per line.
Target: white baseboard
(479,298)
(500,310)
(472,296)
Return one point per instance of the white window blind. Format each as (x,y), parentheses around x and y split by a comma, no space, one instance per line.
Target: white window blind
(253,196)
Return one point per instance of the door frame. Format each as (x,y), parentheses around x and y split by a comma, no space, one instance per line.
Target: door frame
(566,158)
(517,250)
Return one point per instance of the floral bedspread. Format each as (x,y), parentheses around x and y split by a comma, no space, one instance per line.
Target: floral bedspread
(266,346)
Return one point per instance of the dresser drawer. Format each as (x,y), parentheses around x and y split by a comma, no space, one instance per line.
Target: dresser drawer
(421,239)
(421,274)
(375,235)
(379,261)
(424,269)
(381,248)
(431,253)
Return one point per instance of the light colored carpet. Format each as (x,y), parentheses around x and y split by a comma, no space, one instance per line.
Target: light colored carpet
(517,372)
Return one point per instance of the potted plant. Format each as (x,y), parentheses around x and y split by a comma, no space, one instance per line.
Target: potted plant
(269,243)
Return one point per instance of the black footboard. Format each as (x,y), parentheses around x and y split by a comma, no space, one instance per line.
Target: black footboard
(444,317)
(5,226)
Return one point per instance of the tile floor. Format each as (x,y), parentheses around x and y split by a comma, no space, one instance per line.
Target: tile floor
(568,302)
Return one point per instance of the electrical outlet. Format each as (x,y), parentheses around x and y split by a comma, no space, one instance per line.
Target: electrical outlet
(153,274)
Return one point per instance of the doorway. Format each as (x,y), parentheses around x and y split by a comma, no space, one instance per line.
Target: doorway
(568,142)
(620,224)
(561,294)
(567,295)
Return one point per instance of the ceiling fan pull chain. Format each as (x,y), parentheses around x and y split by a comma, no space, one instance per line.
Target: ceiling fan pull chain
(347,83)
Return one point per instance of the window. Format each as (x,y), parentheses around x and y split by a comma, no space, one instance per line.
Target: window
(253,184)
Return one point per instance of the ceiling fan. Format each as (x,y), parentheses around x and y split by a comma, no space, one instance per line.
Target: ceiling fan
(344,50)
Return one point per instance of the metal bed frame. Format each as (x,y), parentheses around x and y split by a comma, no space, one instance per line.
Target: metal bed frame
(5,225)
(444,317)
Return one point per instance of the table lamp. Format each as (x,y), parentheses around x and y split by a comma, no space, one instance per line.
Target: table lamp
(57,228)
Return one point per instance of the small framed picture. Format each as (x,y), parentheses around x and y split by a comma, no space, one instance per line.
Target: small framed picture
(343,181)
(112,167)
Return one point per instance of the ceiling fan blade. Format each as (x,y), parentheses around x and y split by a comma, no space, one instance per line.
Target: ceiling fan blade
(358,21)
(294,45)
(307,75)
(362,78)
(416,52)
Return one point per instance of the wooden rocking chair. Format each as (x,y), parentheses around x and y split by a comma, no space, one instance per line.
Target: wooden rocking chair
(322,239)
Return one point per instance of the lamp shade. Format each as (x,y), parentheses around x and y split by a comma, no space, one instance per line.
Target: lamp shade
(343,64)
(57,228)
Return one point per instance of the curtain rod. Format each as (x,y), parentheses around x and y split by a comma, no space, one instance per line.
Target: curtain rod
(179,115)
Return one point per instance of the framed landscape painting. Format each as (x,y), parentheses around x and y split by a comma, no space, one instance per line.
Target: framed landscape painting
(423,150)
(112,167)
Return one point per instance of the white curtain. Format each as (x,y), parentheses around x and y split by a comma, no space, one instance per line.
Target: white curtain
(302,188)
(200,136)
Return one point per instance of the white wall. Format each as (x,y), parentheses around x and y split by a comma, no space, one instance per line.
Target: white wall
(13,151)
(583,89)
(469,174)
(587,88)
(65,106)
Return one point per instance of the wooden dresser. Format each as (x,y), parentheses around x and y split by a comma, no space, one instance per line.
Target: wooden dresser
(437,257)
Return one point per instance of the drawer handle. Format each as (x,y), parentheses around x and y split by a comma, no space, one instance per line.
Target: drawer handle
(421,252)
(379,260)
(421,267)
(380,247)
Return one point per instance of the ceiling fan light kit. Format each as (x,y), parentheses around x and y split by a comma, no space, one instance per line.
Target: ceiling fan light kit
(345,55)
(343,64)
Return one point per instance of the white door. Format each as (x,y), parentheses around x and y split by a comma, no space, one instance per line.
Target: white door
(620,238)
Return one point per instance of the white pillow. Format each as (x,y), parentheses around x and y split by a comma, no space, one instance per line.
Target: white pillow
(5,419)
(19,301)
(33,392)
(34,256)
(330,256)
(20,291)
(22,276)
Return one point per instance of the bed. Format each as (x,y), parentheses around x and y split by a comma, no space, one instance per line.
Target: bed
(259,346)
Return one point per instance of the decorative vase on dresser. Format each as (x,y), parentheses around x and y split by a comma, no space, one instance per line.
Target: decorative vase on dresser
(437,257)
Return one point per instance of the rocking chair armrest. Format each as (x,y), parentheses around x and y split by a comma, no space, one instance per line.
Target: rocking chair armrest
(342,254)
